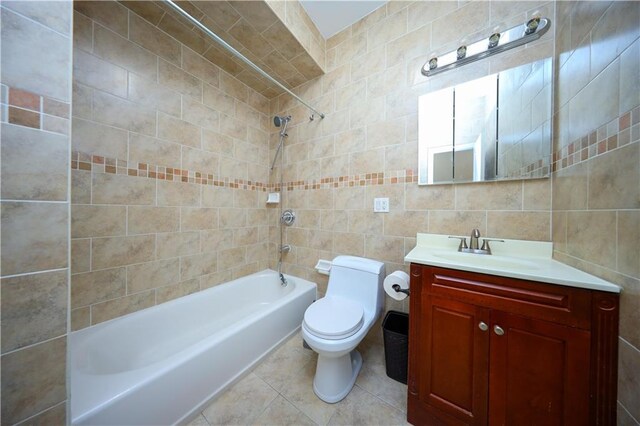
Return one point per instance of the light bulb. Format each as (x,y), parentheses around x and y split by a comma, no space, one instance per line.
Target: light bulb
(532,25)
(494,39)
(461,52)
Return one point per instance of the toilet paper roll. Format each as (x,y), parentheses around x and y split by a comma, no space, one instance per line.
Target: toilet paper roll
(398,277)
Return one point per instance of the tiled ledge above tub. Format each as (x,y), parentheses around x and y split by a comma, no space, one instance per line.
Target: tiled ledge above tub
(527,260)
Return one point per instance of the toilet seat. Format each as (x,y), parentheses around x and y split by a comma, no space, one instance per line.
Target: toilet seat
(334,318)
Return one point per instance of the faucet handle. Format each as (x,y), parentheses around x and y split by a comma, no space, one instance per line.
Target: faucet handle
(485,244)
(463,242)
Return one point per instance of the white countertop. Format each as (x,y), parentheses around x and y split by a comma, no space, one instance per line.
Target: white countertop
(527,260)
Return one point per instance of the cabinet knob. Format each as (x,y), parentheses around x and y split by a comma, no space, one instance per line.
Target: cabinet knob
(498,330)
(483,326)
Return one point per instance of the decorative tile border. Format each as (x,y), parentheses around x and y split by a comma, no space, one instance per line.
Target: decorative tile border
(618,132)
(367,179)
(99,164)
(538,169)
(32,110)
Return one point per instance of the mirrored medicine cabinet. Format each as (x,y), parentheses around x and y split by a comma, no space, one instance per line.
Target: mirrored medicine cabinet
(497,127)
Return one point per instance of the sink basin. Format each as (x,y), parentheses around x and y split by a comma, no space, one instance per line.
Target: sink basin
(487,261)
(524,260)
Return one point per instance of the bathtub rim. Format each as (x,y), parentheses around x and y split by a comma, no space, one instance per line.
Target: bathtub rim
(178,300)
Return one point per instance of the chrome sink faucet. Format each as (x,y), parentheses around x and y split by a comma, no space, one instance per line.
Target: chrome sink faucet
(473,239)
(474,246)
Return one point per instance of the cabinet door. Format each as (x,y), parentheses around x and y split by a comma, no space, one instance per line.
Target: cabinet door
(539,372)
(452,361)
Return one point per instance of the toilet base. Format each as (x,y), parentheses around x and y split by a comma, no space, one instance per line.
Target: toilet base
(336,376)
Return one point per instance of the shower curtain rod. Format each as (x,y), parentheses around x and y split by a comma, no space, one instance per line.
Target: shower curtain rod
(239,55)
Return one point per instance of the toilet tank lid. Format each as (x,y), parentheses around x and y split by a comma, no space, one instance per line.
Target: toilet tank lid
(358,263)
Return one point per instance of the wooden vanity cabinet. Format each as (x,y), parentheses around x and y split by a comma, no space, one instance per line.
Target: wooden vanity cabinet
(489,350)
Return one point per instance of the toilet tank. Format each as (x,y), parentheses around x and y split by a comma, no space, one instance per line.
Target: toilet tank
(358,278)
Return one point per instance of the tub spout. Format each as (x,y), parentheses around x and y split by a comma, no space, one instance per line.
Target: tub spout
(283,280)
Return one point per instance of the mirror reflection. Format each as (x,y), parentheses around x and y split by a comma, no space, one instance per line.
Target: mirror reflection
(496,127)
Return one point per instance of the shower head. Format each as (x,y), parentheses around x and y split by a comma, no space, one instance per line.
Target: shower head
(278,120)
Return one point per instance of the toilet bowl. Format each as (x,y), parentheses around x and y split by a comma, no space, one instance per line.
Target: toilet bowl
(334,325)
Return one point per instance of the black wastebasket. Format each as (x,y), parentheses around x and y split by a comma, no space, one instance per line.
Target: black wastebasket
(395,329)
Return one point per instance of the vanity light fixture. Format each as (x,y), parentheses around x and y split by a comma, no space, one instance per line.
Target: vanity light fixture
(532,30)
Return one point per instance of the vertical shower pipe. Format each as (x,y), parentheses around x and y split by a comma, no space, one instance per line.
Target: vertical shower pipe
(281,121)
(283,135)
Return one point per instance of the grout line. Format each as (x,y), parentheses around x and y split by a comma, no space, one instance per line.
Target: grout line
(24,421)
(41,114)
(40,129)
(67,36)
(617,246)
(69,180)
(93,34)
(90,307)
(128,35)
(64,335)
(24,274)
(566,230)
(630,344)
(627,411)
(35,201)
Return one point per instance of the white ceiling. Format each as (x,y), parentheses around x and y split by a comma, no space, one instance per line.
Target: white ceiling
(331,16)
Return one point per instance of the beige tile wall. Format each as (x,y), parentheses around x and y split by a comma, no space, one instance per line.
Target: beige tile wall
(150,112)
(36,80)
(596,202)
(369,95)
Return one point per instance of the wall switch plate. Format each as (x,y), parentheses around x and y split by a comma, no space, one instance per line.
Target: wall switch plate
(381,205)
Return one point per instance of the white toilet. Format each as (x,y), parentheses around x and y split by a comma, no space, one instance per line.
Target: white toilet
(334,325)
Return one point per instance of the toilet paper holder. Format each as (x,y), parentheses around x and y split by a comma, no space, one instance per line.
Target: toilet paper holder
(399,289)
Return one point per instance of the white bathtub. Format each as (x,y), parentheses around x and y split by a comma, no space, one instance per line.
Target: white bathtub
(161,365)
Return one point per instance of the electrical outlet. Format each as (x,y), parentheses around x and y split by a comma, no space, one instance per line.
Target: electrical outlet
(381,205)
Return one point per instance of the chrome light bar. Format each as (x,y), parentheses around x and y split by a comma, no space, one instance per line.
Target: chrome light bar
(495,43)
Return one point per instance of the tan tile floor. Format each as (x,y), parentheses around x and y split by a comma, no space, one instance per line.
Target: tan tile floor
(279,392)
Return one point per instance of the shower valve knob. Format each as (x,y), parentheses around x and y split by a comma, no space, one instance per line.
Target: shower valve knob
(288,217)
